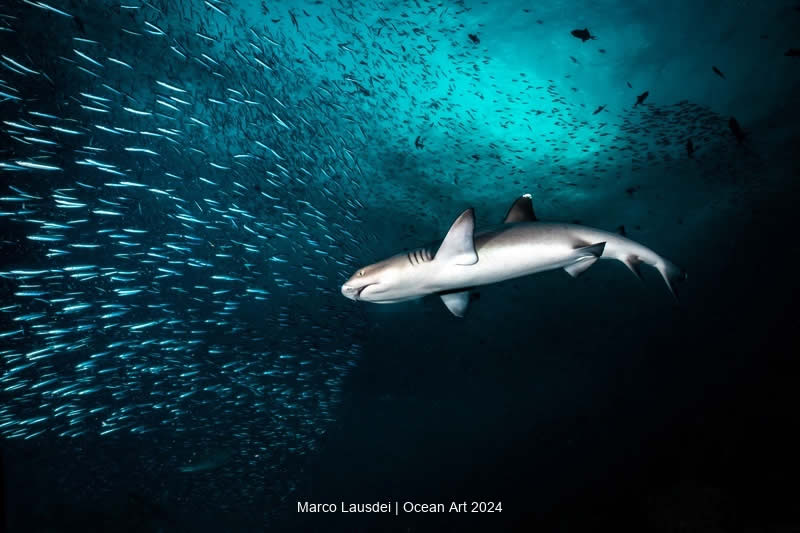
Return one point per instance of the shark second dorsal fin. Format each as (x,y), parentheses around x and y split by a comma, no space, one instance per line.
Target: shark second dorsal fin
(458,246)
(521,211)
(456,302)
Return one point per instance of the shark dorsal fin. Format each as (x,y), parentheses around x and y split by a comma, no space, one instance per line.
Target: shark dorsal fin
(521,211)
(458,246)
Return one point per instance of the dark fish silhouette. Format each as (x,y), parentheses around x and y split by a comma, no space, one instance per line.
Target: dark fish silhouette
(629,85)
(583,34)
(474,38)
(599,108)
(792,52)
(690,148)
(737,130)
(574,60)
(362,90)
(418,143)
(641,98)
(718,72)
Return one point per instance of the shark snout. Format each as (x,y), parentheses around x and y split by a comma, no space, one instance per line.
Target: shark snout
(354,292)
(348,291)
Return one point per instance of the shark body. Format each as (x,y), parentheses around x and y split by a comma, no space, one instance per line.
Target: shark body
(521,246)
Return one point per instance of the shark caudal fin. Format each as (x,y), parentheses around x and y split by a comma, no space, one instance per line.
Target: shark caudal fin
(584,258)
(672,275)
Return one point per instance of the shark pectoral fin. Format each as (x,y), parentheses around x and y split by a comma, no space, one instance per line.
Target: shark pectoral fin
(521,211)
(584,258)
(456,302)
(458,246)
(633,262)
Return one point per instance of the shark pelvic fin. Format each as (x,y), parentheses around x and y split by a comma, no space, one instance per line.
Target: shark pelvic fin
(521,211)
(458,246)
(584,258)
(456,302)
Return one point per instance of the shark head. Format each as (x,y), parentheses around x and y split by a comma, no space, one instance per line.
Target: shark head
(414,274)
(392,280)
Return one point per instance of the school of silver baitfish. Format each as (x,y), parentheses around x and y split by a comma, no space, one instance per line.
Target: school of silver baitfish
(184,185)
(173,229)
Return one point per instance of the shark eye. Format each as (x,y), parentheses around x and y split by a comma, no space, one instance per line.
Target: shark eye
(361,273)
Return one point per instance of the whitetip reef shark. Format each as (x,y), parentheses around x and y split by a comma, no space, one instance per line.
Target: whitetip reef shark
(521,246)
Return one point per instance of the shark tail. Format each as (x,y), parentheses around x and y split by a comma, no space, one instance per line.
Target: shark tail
(672,275)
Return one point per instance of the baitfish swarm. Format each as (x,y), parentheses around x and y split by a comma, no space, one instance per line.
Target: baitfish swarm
(175,215)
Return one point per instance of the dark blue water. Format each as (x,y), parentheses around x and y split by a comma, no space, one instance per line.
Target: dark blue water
(185,186)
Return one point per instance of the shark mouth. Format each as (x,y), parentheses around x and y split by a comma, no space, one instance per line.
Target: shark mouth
(360,290)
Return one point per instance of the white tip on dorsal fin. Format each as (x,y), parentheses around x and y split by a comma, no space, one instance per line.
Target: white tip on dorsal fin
(521,211)
(458,246)
(456,302)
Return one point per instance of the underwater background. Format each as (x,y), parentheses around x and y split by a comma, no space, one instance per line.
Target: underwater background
(185,186)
